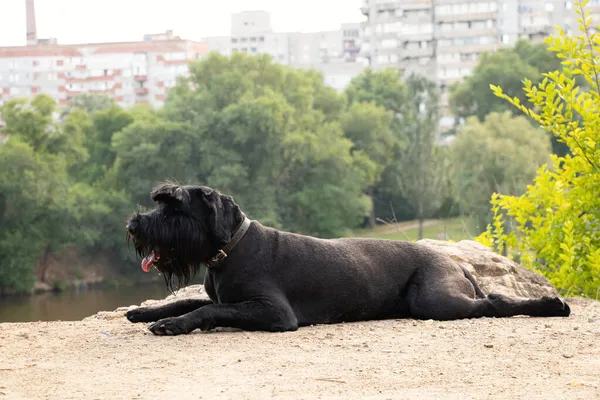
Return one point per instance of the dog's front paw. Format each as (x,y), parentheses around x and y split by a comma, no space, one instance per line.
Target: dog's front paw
(170,326)
(141,314)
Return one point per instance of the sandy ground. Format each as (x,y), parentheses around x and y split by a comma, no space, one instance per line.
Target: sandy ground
(106,357)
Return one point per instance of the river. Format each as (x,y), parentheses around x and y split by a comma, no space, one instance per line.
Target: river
(75,305)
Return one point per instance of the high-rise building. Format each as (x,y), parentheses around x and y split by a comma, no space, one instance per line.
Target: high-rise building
(131,72)
(444,39)
(332,52)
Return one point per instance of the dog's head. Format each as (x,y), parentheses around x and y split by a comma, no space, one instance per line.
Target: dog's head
(188,227)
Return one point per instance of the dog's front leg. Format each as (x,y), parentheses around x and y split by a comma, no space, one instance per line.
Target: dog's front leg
(173,309)
(248,315)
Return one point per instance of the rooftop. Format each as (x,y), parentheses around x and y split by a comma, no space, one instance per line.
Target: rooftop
(152,43)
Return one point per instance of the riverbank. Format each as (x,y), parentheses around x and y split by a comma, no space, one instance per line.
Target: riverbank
(105,356)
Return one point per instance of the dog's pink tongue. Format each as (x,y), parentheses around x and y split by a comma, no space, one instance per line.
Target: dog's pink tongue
(147,262)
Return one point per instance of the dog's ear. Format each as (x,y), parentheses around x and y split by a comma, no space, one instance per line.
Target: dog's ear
(212,200)
(169,193)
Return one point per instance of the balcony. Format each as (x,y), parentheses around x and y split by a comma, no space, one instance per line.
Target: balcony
(141,91)
(416,53)
(468,16)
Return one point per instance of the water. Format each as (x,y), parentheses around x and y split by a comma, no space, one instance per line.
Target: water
(76,305)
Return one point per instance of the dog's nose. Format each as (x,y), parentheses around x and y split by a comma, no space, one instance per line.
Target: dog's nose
(132,227)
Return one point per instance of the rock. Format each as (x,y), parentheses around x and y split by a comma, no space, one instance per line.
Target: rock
(41,287)
(493,272)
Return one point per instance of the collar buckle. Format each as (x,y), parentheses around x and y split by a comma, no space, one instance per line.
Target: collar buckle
(221,255)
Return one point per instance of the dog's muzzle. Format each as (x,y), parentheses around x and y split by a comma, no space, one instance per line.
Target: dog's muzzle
(133,227)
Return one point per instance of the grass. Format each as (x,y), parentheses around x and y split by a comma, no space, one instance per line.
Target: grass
(454,229)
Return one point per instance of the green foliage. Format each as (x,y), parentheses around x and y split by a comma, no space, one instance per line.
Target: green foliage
(294,153)
(89,103)
(422,165)
(59,285)
(504,68)
(267,134)
(32,191)
(98,141)
(557,220)
(502,154)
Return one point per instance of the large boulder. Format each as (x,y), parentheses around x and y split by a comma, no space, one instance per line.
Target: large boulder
(493,272)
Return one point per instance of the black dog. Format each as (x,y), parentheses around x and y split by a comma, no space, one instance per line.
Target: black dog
(260,278)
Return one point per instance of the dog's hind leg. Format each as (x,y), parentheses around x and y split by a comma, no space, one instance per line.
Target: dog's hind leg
(441,295)
(173,309)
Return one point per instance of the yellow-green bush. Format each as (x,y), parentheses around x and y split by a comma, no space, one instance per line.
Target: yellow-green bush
(555,225)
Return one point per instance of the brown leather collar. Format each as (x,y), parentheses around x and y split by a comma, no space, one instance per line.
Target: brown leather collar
(224,252)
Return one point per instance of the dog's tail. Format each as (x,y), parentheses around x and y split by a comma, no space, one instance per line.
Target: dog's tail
(478,292)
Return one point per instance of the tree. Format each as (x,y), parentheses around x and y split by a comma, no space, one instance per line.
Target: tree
(386,89)
(505,68)
(420,166)
(98,141)
(36,123)
(368,126)
(90,103)
(557,220)
(33,215)
(500,154)
(34,186)
(267,134)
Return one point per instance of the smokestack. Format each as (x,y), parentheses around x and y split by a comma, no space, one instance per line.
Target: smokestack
(31,26)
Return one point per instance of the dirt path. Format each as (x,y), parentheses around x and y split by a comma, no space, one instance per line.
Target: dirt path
(406,226)
(106,357)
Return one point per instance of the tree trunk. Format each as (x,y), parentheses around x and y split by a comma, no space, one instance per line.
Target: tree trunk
(421,219)
(45,264)
(371,220)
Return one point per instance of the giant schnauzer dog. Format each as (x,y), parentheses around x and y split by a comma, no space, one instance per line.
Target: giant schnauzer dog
(259,278)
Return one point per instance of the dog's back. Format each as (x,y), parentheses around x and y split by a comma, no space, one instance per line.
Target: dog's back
(333,280)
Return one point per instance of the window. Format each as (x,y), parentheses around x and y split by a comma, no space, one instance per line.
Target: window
(392,27)
(389,43)
(140,70)
(549,7)
(505,39)
(14,91)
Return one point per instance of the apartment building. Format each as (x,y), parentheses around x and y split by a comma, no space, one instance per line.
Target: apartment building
(334,53)
(444,39)
(131,72)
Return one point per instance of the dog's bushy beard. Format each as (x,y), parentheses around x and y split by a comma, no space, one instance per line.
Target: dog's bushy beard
(178,242)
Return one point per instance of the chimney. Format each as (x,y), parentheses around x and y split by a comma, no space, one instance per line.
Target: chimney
(31,26)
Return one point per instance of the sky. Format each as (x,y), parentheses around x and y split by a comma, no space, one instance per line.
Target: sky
(88,21)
